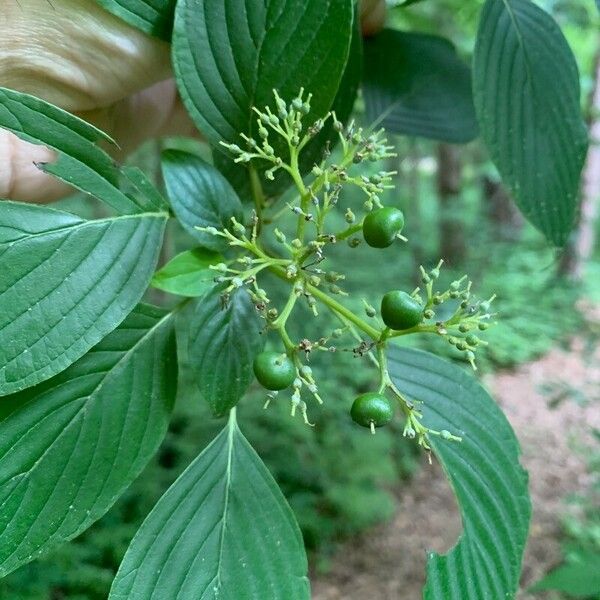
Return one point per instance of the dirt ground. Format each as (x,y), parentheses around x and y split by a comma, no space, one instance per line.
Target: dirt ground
(388,563)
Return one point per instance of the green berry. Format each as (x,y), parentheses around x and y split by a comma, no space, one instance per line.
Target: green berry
(372,410)
(381,227)
(472,340)
(400,311)
(274,371)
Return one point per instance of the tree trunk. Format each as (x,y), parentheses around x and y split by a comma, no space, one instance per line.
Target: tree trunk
(503,215)
(581,245)
(449,183)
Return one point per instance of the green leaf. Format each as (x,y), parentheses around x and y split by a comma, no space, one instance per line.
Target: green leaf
(72,445)
(154,17)
(200,196)
(81,162)
(229,55)
(188,274)
(415,84)
(65,284)
(483,469)
(223,340)
(579,579)
(222,531)
(527,97)
(239,174)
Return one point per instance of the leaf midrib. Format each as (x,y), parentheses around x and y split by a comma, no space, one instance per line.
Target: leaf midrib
(85,223)
(232,426)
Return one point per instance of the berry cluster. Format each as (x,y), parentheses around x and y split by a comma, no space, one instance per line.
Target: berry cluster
(299,264)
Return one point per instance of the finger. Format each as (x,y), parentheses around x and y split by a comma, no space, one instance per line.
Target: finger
(372,13)
(75,54)
(20,179)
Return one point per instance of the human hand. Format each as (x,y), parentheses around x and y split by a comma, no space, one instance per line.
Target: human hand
(78,56)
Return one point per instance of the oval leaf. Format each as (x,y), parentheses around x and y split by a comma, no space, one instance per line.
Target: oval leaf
(70,446)
(229,55)
(415,84)
(224,337)
(65,283)
(223,530)
(200,196)
(483,469)
(238,174)
(188,274)
(526,88)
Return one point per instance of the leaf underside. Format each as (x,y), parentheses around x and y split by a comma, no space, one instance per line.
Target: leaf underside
(415,84)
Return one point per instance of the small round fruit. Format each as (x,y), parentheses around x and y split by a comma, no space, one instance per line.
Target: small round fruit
(381,226)
(372,410)
(400,311)
(274,370)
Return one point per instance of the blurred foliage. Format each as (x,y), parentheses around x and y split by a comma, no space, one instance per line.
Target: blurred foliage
(579,575)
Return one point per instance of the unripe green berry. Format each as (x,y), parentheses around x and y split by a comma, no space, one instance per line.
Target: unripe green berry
(381,227)
(372,410)
(400,311)
(274,371)
(472,340)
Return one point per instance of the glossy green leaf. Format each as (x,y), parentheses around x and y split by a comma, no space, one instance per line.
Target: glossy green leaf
(188,274)
(577,579)
(65,283)
(229,55)
(484,471)
(222,531)
(239,174)
(527,98)
(154,17)
(81,162)
(224,337)
(70,446)
(200,196)
(415,84)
